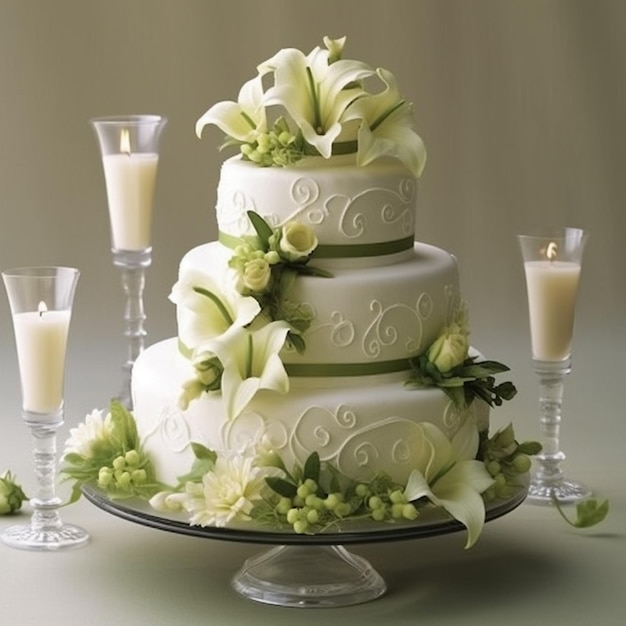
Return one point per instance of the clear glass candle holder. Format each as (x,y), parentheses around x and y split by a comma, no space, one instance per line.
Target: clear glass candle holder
(41,300)
(129,146)
(552,266)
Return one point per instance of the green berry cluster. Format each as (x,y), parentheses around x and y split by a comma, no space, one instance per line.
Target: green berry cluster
(278,146)
(506,460)
(302,502)
(125,474)
(391,505)
(311,508)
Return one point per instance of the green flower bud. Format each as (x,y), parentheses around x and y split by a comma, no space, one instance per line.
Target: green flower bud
(293,515)
(362,491)
(397,497)
(494,468)
(409,512)
(284,505)
(331,501)
(105,476)
(132,457)
(375,503)
(300,526)
(378,515)
(139,476)
(521,463)
(11,495)
(343,509)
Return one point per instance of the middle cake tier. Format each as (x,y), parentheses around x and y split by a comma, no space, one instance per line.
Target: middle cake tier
(364,321)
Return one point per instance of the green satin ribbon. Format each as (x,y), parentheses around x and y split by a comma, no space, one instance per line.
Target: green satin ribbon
(341,251)
(332,370)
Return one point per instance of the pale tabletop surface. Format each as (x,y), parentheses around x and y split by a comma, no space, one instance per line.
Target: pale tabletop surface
(528,567)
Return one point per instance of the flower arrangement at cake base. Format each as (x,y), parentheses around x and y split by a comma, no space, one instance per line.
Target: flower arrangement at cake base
(253,487)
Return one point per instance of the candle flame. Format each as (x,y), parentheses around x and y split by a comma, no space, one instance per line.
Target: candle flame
(551,251)
(42,308)
(125,141)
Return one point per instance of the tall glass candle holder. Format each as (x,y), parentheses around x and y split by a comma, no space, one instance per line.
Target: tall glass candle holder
(552,265)
(41,304)
(130,154)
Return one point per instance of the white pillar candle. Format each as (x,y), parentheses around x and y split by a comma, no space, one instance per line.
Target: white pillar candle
(130,180)
(552,288)
(41,340)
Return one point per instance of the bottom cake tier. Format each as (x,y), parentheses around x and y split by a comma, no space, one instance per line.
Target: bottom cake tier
(362,425)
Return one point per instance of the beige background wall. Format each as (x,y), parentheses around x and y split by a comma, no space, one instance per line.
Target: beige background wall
(521,105)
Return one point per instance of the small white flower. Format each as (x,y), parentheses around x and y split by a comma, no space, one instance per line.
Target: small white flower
(168,501)
(227,493)
(256,275)
(297,241)
(87,436)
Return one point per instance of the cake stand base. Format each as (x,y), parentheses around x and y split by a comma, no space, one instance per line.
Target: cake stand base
(308,577)
(564,490)
(30,537)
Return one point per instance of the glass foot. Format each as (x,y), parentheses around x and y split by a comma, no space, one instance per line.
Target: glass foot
(308,577)
(28,537)
(566,491)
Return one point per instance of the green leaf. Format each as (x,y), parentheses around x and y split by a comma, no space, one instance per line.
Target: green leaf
(202,452)
(261,227)
(530,447)
(588,512)
(312,467)
(281,486)
(309,270)
(297,342)
(457,395)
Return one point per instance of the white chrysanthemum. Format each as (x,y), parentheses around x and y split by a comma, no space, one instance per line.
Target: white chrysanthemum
(83,439)
(227,493)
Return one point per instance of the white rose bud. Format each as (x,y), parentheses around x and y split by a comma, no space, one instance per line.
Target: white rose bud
(297,242)
(449,350)
(256,275)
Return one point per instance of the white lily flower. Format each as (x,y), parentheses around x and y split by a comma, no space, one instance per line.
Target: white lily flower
(314,92)
(242,120)
(207,309)
(451,477)
(251,363)
(387,127)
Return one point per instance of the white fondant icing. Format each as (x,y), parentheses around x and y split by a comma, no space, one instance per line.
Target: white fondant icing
(343,202)
(365,315)
(362,425)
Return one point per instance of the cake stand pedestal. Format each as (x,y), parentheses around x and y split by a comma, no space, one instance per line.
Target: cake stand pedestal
(304,571)
(309,576)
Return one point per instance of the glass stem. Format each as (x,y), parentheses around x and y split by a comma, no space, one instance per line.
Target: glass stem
(46,502)
(133,266)
(551,386)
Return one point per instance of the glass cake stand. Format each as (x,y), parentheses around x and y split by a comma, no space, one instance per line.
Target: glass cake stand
(304,571)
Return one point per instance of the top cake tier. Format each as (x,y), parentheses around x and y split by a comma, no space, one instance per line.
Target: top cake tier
(357,212)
